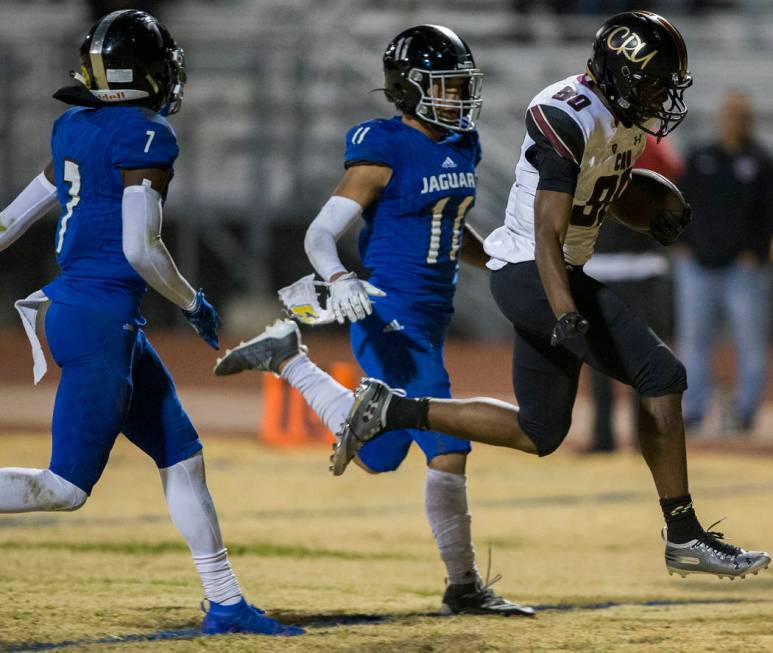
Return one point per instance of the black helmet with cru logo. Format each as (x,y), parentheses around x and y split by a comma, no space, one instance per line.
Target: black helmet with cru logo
(639,63)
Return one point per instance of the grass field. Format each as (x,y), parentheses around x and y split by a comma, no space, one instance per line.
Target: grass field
(353,559)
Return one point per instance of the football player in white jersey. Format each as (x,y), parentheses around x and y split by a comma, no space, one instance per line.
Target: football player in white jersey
(584,135)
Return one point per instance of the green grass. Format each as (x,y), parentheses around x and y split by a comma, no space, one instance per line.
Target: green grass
(261,549)
(330,554)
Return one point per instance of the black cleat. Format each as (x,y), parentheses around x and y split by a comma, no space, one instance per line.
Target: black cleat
(479,598)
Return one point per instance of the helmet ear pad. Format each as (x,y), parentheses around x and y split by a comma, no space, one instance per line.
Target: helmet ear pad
(613,89)
(404,95)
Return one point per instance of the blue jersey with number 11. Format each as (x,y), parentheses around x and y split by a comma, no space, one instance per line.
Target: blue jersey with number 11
(90,147)
(413,232)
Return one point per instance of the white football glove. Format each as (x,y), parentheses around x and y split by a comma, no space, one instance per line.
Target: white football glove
(301,302)
(350,298)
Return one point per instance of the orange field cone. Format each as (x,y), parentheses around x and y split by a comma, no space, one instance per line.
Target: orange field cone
(288,421)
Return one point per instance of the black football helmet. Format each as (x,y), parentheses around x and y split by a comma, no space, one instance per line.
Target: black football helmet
(128,56)
(424,68)
(639,63)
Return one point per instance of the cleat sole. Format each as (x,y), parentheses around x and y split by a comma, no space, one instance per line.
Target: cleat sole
(684,573)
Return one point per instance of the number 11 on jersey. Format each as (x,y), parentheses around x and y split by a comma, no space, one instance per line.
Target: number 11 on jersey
(436,227)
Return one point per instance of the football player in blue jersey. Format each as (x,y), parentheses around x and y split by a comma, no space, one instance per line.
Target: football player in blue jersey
(112,160)
(412,180)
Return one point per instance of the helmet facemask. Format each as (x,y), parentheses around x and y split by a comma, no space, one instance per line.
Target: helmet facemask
(436,107)
(177,79)
(654,104)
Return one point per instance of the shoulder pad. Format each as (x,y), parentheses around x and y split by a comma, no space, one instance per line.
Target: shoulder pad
(377,128)
(143,139)
(370,141)
(572,98)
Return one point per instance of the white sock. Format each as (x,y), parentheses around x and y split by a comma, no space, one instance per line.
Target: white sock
(217,577)
(26,490)
(193,513)
(326,396)
(445,501)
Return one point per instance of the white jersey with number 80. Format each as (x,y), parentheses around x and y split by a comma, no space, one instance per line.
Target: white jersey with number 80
(609,152)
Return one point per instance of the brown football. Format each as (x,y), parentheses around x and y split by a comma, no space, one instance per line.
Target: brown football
(648,194)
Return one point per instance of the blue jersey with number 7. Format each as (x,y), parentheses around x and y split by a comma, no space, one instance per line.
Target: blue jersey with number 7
(413,233)
(90,147)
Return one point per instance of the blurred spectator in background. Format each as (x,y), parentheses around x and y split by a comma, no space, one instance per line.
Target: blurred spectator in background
(723,268)
(635,267)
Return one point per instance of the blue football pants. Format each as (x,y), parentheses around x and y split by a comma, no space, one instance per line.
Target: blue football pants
(112,381)
(408,357)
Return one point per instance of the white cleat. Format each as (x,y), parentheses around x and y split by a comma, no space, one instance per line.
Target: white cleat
(264,353)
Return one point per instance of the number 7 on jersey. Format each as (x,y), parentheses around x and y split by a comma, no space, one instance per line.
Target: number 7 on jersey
(72,175)
(151,135)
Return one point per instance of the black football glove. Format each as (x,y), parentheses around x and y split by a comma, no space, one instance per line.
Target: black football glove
(667,227)
(569,332)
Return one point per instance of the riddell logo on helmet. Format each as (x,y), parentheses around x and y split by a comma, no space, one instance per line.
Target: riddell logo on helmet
(623,41)
(119,94)
(111,96)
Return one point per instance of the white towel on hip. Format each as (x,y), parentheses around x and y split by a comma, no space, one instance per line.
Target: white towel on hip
(28,309)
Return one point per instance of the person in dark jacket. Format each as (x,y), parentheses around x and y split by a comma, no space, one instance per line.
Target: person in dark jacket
(724,269)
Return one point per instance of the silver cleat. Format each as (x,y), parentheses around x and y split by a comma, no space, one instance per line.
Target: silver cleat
(708,554)
(264,353)
(366,420)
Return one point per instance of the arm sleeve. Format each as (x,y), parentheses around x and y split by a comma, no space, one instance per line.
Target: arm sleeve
(335,217)
(37,199)
(144,249)
(559,144)
(145,144)
(368,143)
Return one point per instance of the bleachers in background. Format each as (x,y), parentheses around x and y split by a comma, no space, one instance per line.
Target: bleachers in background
(274,84)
